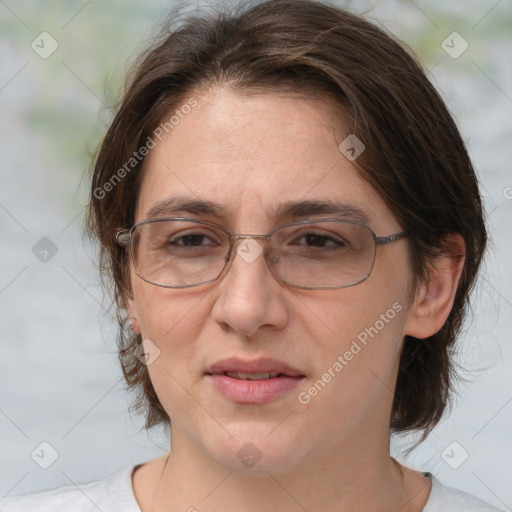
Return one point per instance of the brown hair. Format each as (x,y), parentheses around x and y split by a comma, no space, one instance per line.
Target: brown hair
(415,157)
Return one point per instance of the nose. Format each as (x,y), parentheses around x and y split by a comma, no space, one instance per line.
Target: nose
(249,296)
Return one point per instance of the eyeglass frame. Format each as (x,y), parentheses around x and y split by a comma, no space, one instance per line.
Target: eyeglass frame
(124,239)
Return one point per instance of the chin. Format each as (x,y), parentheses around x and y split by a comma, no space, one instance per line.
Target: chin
(255,451)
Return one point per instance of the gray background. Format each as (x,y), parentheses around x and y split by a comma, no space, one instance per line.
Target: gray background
(59,378)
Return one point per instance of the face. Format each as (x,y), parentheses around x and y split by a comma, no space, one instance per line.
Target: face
(338,349)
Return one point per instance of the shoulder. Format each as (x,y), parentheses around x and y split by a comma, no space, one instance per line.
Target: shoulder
(112,494)
(448,499)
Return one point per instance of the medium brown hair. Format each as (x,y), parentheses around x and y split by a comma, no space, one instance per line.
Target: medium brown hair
(415,157)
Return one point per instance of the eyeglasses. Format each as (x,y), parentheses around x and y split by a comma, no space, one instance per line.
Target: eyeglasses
(313,254)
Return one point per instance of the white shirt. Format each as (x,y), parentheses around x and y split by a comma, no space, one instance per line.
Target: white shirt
(115,494)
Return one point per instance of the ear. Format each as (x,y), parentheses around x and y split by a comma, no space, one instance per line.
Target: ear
(134,320)
(434,299)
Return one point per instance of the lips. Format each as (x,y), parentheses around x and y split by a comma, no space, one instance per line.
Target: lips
(252,382)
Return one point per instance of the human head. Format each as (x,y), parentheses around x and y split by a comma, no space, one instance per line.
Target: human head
(414,156)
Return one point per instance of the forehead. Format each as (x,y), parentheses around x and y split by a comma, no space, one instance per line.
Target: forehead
(252,154)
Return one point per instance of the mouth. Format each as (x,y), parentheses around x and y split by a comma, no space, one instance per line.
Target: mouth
(254,376)
(253,382)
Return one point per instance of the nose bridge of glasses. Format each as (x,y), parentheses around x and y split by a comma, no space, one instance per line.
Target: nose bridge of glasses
(248,254)
(237,236)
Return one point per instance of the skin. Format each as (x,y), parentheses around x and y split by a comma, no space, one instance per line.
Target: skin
(250,153)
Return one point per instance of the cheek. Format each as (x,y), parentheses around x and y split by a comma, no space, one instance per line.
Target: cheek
(356,364)
(173,320)
(356,333)
(167,314)
(366,330)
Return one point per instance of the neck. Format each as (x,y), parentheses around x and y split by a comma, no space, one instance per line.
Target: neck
(350,479)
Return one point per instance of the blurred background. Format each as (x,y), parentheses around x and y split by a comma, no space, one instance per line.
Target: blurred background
(62,65)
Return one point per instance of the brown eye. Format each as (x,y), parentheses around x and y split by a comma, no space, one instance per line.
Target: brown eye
(314,240)
(191,240)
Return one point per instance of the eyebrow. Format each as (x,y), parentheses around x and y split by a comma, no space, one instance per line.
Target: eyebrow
(335,207)
(175,204)
(290,209)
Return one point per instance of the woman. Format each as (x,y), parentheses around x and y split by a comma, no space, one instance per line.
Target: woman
(292,226)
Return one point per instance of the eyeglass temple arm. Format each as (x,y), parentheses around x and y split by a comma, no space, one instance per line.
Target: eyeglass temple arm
(386,240)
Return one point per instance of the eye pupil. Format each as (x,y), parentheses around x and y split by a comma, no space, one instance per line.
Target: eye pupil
(192,239)
(315,240)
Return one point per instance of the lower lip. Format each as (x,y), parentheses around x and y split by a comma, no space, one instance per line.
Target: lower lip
(253,391)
